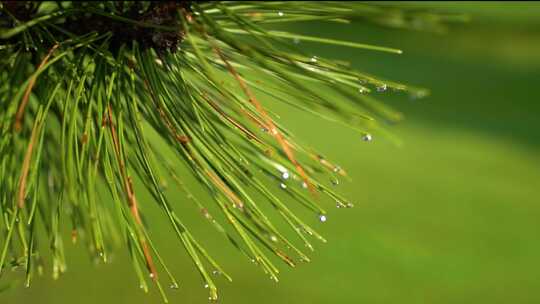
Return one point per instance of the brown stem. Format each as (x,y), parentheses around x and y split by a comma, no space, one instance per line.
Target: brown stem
(24,101)
(132,200)
(26,166)
(273,129)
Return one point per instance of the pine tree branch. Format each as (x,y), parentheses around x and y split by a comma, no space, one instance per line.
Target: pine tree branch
(103,101)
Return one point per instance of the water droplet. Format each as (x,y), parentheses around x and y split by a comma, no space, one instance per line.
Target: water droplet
(151,275)
(304,185)
(337,169)
(335,182)
(174,285)
(273,238)
(141,286)
(313,59)
(283,186)
(339,204)
(285,175)
(362,90)
(205,285)
(216,272)
(280,14)
(350,205)
(322,218)
(382,88)
(367,137)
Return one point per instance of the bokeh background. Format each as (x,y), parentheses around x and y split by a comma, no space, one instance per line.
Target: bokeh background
(451,216)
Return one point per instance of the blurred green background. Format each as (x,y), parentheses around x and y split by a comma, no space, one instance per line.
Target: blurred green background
(452,216)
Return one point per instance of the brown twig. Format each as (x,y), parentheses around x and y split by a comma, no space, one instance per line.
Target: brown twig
(132,200)
(273,129)
(24,101)
(26,166)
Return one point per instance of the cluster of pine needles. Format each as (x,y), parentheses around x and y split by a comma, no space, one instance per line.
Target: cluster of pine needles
(99,97)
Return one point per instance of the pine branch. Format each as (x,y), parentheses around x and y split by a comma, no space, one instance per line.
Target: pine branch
(111,95)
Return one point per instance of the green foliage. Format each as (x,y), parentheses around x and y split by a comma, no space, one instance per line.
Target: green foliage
(80,109)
